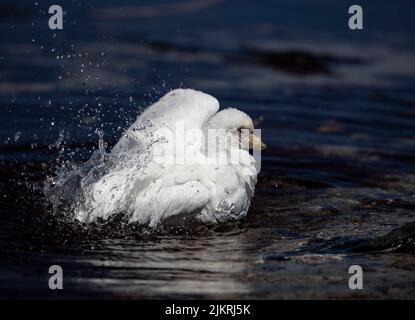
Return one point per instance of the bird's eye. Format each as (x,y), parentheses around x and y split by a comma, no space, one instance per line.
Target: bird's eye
(243,131)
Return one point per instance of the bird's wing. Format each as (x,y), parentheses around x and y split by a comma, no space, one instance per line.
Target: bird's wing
(192,107)
(106,196)
(147,187)
(148,195)
(161,200)
(179,108)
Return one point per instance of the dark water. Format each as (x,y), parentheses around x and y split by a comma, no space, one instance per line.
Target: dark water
(336,108)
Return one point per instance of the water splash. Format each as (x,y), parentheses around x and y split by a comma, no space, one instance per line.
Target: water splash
(65,189)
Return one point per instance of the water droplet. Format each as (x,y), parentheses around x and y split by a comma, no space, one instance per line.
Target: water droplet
(17,136)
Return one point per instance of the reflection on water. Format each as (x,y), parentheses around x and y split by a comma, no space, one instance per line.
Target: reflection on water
(336,110)
(179,267)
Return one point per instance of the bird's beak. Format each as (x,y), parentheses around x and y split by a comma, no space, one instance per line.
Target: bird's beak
(255,143)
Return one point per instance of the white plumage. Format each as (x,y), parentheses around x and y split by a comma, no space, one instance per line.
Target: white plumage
(150,183)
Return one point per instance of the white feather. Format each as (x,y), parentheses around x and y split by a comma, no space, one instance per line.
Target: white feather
(150,191)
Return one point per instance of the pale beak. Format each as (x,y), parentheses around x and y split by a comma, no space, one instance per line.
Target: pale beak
(255,143)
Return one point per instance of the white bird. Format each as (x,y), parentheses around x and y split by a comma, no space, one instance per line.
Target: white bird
(165,166)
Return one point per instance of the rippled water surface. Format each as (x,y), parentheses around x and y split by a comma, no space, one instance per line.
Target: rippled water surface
(336,109)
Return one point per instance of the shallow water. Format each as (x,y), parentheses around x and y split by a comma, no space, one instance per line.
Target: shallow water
(336,110)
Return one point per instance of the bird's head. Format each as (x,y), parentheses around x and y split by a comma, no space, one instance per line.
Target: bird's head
(239,125)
